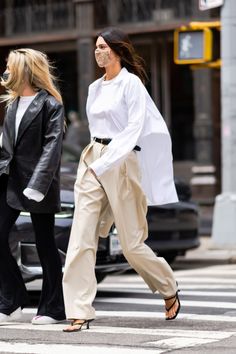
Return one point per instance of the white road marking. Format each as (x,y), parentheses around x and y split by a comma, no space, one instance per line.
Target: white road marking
(136,290)
(179,343)
(165,332)
(207,286)
(138,301)
(127,314)
(160,315)
(104,286)
(72,349)
(206,271)
(189,278)
(180,274)
(203,280)
(179,339)
(216,335)
(209,293)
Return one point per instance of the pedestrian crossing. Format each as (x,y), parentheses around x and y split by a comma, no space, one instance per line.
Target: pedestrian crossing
(212,290)
(168,340)
(72,349)
(127,312)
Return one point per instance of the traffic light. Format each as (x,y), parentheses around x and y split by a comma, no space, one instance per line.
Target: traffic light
(194,44)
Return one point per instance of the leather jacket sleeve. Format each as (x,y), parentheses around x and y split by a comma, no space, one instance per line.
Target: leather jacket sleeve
(49,161)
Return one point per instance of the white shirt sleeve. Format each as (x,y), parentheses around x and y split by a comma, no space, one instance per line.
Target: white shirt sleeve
(1,141)
(33,194)
(125,141)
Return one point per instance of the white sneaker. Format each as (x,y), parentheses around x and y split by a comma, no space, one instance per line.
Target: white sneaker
(15,315)
(44,320)
(3,317)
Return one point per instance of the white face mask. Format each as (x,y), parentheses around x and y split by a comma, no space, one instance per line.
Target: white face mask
(102,57)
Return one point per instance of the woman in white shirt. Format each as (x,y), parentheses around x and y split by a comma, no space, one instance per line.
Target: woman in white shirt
(30,153)
(127,165)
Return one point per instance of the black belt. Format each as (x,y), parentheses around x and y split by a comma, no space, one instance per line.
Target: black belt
(107,141)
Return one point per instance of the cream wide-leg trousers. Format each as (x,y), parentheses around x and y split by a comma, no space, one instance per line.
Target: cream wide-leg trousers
(120,187)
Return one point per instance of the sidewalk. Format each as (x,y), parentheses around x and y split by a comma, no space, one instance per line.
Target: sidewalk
(207,252)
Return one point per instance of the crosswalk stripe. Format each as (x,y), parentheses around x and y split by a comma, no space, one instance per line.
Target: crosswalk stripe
(214,273)
(211,280)
(208,293)
(139,314)
(160,315)
(68,348)
(185,293)
(179,343)
(208,286)
(121,285)
(138,301)
(178,339)
(167,332)
(217,280)
(206,271)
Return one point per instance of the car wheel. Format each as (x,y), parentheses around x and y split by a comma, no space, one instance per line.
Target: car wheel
(100,276)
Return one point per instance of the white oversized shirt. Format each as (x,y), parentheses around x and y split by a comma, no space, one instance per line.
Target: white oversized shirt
(122,109)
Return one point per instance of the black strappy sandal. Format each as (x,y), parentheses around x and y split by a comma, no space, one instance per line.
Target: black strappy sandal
(78,324)
(176,297)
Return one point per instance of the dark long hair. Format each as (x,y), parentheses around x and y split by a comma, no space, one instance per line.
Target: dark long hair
(120,43)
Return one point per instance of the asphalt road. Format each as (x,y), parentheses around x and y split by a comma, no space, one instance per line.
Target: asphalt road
(131,320)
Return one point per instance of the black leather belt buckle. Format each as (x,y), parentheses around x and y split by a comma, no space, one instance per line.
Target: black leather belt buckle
(137,148)
(102,141)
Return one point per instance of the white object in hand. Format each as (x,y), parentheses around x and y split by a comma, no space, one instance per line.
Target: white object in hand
(33,194)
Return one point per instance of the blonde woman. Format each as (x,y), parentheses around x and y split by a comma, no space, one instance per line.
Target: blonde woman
(30,153)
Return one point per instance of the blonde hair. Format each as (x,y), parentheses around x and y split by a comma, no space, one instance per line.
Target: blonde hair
(31,66)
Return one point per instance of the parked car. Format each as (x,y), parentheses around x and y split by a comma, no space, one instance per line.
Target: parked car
(173,229)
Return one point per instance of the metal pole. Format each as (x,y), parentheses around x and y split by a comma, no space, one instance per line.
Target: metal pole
(85,51)
(224,218)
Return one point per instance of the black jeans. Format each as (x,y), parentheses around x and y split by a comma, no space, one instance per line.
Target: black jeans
(13,293)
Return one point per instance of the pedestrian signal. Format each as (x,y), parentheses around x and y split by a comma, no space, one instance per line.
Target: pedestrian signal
(192,46)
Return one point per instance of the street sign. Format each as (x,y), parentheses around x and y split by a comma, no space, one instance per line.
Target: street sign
(209,4)
(192,46)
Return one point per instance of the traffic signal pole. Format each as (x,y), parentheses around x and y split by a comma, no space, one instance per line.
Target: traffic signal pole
(224,217)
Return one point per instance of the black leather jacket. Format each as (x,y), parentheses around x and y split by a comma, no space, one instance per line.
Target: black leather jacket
(33,161)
